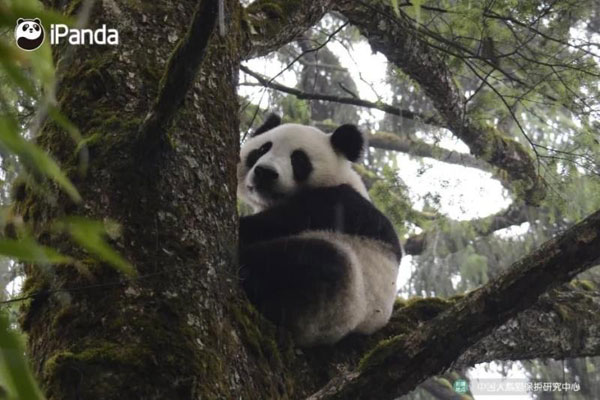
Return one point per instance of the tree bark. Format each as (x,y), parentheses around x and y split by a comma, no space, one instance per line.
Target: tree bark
(562,324)
(180,330)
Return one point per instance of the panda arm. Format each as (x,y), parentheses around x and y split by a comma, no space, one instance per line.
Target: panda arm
(362,218)
(309,210)
(338,208)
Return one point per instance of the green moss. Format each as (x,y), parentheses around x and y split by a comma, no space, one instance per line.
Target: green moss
(73,7)
(56,361)
(423,309)
(381,352)
(272,10)
(586,284)
(33,285)
(399,303)
(101,352)
(405,318)
(64,316)
(257,333)
(563,312)
(444,382)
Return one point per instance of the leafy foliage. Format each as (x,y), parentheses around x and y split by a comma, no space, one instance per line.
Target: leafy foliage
(15,374)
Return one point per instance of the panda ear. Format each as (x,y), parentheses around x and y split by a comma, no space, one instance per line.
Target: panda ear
(20,21)
(271,122)
(349,141)
(37,21)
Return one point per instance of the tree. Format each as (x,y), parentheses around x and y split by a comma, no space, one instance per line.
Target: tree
(160,145)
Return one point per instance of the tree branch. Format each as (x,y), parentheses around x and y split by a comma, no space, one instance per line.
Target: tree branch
(396,38)
(545,330)
(563,324)
(179,75)
(398,364)
(389,141)
(339,99)
(275,23)
(514,215)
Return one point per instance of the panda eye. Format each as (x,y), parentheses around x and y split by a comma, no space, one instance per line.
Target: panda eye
(255,154)
(37,27)
(25,27)
(265,147)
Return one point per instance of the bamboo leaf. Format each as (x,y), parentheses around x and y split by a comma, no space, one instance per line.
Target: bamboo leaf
(18,377)
(32,154)
(28,250)
(9,58)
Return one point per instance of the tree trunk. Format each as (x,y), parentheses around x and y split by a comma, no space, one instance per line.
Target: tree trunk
(179,330)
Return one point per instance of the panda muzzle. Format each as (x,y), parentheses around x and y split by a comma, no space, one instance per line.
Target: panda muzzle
(264,178)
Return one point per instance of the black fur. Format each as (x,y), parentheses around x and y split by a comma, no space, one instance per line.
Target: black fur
(337,208)
(301,165)
(280,276)
(349,141)
(264,178)
(255,154)
(271,122)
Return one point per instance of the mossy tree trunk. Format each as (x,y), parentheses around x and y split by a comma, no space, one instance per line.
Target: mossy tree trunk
(177,331)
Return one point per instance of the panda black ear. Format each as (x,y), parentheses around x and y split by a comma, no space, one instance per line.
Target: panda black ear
(37,21)
(20,21)
(271,122)
(349,141)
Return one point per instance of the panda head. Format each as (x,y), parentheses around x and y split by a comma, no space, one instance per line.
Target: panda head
(29,33)
(279,160)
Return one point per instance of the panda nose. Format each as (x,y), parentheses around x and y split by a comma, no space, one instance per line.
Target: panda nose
(264,176)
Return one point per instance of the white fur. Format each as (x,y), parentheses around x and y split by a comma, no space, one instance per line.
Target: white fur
(365,305)
(330,168)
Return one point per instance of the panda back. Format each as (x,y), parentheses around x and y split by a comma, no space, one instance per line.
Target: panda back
(365,304)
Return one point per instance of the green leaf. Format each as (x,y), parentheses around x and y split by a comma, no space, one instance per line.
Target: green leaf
(28,250)
(11,11)
(90,235)
(8,61)
(39,62)
(65,123)
(19,379)
(33,155)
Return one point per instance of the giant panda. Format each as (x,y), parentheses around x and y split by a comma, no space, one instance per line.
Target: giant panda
(316,257)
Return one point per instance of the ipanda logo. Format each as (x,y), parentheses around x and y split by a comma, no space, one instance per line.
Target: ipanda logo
(29,34)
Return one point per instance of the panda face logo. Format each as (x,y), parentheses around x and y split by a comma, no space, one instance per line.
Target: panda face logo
(29,34)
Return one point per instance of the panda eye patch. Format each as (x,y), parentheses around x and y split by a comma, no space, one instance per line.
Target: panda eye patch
(255,154)
(265,147)
(301,165)
(37,27)
(25,27)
